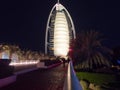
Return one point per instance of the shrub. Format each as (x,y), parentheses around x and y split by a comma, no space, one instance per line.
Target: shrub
(98,87)
(5,69)
(84,84)
(50,62)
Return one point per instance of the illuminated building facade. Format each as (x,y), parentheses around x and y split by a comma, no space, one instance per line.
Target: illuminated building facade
(59,31)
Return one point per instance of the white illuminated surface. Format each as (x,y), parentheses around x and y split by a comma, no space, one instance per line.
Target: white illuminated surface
(5,55)
(60,31)
(23,63)
(61,35)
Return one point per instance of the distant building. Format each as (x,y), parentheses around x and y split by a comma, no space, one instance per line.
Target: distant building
(60,31)
(116,55)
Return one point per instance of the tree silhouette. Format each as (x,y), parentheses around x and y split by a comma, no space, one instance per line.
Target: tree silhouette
(88,51)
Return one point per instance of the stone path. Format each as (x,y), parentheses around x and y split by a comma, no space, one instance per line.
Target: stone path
(42,79)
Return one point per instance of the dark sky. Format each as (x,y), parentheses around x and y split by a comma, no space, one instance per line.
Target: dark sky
(23,22)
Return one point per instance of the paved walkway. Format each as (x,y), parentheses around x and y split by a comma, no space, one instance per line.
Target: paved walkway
(42,79)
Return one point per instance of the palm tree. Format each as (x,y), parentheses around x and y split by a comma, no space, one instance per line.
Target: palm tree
(89,52)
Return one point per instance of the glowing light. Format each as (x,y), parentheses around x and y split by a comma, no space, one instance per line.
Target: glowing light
(60,31)
(5,55)
(61,35)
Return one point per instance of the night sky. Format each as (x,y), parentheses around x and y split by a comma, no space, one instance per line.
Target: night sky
(23,22)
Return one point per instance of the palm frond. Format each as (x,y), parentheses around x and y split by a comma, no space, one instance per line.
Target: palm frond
(88,49)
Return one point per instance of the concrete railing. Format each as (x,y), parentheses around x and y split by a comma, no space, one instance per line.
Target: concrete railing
(71,82)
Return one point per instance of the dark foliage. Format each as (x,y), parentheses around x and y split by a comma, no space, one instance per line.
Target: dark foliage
(5,69)
(88,51)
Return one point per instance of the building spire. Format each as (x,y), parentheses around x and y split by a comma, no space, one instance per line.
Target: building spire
(58,1)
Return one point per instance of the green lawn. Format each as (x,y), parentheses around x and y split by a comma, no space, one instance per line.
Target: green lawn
(97,78)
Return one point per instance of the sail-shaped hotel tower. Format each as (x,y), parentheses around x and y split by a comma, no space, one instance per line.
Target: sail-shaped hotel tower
(60,31)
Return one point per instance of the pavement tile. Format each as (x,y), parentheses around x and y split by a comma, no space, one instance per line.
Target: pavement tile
(41,79)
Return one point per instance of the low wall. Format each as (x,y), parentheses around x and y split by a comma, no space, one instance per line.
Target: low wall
(41,65)
(7,80)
